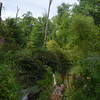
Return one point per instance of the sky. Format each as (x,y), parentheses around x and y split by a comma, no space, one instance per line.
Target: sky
(37,7)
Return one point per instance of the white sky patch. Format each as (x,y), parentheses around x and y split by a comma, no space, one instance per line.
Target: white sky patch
(37,7)
(8,14)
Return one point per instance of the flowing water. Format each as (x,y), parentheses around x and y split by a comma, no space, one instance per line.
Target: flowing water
(25,97)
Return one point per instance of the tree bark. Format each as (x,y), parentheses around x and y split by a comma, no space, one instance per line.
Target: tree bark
(0,11)
(47,21)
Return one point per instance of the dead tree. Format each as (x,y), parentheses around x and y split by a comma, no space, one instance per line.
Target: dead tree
(0,10)
(18,9)
(47,21)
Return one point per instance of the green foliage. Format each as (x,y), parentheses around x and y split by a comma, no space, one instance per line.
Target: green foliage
(79,95)
(89,8)
(11,34)
(63,61)
(26,25)
(47,85)
(34,64)
(14,35)
(82,37)
(36,38)
(63,8)
(8,85)
(87,86)
(61,24)
(83,26)
(72,39)
(52,45)
(29,67)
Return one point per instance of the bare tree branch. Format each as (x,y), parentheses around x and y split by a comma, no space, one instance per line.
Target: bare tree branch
(18,9)
(47,20)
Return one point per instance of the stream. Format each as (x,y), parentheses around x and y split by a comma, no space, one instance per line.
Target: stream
(29,91)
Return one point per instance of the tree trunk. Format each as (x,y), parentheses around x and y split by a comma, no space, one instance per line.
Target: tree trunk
(0,11)
(47,20)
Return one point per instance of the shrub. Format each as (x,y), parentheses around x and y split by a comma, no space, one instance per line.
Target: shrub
(8,86)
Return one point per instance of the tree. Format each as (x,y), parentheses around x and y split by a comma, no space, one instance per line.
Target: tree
(36,38)
(47,20)
(13,35)
(83,32)
(61,23)
(63,8)
(26,24)
(0,10)
(89,8)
